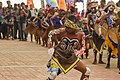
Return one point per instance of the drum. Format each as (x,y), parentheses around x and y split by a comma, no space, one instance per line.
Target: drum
(114,31)
(113,34)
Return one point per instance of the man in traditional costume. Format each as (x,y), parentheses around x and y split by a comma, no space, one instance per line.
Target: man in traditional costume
(117,19)
(88,37)
(65,55)
(92,18)
(108,18)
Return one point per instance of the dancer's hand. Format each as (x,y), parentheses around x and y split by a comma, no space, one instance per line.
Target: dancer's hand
(49,44)
(79,52)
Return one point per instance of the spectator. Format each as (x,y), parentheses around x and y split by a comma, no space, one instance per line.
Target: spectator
(1,11)
(22,23)
(9,5)
(4,28)
(10,19)
(16,21)
(82,13)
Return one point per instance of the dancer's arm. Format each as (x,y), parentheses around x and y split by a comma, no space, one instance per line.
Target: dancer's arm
(52,33)
(80,51)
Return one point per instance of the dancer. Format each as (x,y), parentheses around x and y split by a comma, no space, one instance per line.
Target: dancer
(66,54)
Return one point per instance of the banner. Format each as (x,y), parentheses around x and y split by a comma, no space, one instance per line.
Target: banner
(62,5)
(52,3)
(29,2)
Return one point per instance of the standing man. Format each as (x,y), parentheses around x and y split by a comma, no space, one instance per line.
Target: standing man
(1,11)
(9,5)
(23,22)
(32,11)
(10,19)
(16,21)
(92,17)
(109,18)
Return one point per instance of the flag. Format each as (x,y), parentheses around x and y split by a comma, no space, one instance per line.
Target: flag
(62,5)
(79,1)
(29,2)
(52,3)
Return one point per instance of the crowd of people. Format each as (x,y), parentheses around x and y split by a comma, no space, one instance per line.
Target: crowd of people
(67,34)
(13,20)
